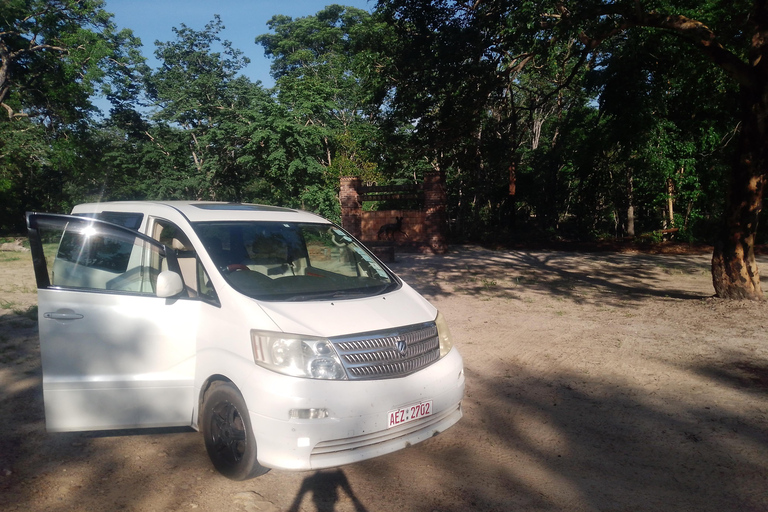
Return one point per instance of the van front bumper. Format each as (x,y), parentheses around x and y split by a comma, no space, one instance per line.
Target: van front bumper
(356,427)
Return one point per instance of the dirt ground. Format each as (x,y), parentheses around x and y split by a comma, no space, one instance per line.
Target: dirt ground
(599,381)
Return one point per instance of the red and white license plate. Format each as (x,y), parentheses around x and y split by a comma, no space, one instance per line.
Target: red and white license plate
(409,413)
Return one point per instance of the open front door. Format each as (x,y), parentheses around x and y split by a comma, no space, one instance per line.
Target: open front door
(114,353)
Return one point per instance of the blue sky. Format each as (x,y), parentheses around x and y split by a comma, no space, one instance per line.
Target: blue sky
(152,20)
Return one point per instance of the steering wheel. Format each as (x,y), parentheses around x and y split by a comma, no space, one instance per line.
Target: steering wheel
(338,242)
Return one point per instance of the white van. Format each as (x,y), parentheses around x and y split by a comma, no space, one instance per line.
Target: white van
(271,330)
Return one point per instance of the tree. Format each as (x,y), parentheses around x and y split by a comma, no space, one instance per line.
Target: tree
(323,128)
(458,73)
(732,36)
(667,140)
(198,90)
(54,56)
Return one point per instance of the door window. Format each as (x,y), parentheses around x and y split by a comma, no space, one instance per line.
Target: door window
(85,254)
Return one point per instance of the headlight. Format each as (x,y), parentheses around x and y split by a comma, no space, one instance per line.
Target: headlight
(299,356)
(446,342)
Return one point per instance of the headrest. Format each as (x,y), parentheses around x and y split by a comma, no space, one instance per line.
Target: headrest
(181,245)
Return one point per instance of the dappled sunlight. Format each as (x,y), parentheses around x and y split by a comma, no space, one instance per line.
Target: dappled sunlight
(596,369)
(581,396)
(11,383)
(588,278)
(603,442)
(534,428)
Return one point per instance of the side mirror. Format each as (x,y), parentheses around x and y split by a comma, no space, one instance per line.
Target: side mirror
(169,284)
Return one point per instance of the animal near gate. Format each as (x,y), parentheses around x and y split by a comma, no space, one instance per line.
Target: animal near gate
(384,230)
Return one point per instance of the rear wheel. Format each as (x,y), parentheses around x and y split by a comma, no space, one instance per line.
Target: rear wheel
(229,439)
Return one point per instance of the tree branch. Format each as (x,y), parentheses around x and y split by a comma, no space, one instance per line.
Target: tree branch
(706,40)
(694,31)
(11,113)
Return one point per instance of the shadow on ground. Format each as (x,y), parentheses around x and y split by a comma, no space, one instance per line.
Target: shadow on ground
(591,277)
(571,443)
(680,434)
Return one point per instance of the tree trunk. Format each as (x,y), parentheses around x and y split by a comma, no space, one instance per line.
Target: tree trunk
(670,202)
(512,195)
(631,221)
(630,206)
(734,269)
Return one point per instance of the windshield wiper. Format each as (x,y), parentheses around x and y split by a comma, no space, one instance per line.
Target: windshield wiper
(336,294)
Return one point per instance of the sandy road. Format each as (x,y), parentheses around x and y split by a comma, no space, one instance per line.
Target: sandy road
(604,381)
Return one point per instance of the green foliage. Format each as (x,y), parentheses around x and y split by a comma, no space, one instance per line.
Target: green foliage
(591,131)
(318,131)
(198,90)
(57,53)
(586,120)
(54,56)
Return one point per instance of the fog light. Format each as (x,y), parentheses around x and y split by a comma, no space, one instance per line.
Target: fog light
(308,414)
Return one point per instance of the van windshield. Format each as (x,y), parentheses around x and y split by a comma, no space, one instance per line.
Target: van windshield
(288,261)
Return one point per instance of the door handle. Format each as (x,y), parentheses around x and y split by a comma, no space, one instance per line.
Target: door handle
(63,314)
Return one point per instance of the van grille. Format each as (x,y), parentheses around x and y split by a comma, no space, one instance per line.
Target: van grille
(385,355)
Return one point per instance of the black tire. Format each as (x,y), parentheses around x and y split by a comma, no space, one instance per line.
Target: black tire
(226,427)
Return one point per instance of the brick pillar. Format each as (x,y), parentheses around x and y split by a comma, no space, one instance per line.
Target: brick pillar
(351,206)
(435,199)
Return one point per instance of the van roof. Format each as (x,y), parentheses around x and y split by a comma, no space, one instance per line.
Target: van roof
(201,211)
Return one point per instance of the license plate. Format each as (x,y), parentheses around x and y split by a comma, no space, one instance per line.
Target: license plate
(409,413)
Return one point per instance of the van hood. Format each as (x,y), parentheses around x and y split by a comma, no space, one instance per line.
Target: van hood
(345,317)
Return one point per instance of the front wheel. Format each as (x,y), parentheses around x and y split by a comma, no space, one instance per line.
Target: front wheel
(228,435)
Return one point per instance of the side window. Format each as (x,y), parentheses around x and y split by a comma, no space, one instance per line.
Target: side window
(88,256)
(196,280)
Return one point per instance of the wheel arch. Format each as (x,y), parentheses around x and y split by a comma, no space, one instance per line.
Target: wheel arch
(210,382)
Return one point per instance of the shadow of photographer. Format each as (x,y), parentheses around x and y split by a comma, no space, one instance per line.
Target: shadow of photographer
(325,487)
